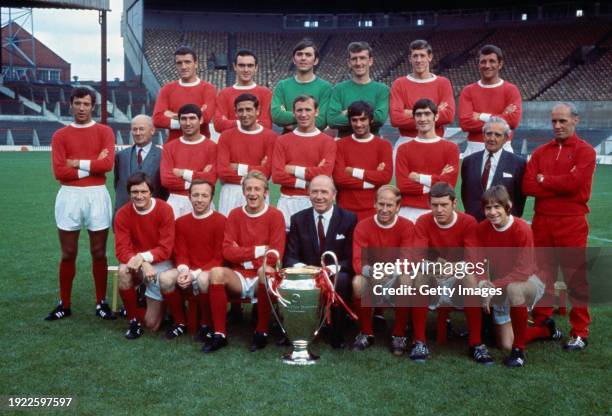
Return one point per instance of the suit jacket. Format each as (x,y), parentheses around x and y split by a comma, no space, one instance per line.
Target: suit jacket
(303,241)
(509,172)
(126,165)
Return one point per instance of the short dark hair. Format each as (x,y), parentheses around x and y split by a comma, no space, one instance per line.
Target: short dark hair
(425,103)
(489,49)
(137,178)
(186,50)
(244,52)
(420,44)
(246,97)
(499,194)
(80,92)
(358,108)
(190,109)
(303,98)
(356,47)
(442,189)
(202,182)
(303,44)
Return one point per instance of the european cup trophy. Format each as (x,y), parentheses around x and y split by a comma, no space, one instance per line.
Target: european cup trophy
(304,295)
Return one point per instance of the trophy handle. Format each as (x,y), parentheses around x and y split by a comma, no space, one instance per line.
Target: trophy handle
(269,288)
(335,259)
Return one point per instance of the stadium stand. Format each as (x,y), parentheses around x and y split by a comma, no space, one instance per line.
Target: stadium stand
(23,132)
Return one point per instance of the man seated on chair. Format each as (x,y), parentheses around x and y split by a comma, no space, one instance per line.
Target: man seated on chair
(197,249)
(250,231)
(144,239)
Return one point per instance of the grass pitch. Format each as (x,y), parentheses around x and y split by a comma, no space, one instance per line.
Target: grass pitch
(90,360)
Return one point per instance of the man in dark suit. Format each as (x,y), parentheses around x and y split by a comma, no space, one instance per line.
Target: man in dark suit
(318,229)
(143,156)
(492,166)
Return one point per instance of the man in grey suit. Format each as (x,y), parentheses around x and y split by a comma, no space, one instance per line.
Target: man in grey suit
(492,166)
(143,156)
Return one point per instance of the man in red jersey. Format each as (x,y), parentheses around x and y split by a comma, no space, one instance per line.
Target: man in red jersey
(197,249)
(443,235)
(188,89)
(299,156)
(424,161)
(245,66)
(385,229)
(420,83)
(490,96)
(363,163)
(144,238)
(249,232)
(243,149)
(507,242)
(81,154)
(559,175)
(192,156)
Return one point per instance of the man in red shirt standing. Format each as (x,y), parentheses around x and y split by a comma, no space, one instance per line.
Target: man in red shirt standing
(559,175)
(188,89)
(81,154)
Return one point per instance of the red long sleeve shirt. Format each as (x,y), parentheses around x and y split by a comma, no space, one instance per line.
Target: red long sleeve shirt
(193,156)
(199,240)
(225,112)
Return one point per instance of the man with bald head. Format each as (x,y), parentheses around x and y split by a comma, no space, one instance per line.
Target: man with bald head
(320,228)
(559,175)
(142,156)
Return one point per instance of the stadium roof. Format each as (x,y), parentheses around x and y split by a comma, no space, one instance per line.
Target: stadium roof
(60,4)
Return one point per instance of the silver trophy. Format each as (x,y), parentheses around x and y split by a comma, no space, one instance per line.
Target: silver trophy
(298,291)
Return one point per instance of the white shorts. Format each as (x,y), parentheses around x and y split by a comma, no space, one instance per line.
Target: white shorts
(501,313)
(231,196)
(249,287)
(473,147)
(412,214)
(181,205)
(443,300)
(290,205)
(153,289)
(76,206)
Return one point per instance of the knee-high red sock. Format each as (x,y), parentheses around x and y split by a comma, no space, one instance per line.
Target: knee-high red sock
(193,311)
(519,316)
(401,319)
(218,307)
(536,332)
(264,310)
(365,317)
(419,320)
(473,316)
(67,270)
(442,314)
(204,302)
(130,303)
(174,300)
(99,269)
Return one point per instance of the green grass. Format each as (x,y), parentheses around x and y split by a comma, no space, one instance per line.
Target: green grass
(90,360)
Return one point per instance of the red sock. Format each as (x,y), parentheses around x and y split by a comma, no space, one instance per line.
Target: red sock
(99,269)
(218,307)
(473,316)
(193,312)
(365,317)
(130,303)
(519,316)
(174,300)
(441,327)
(419,320)
(401,319)
(204,302)
(536,332)
(264,310)
(67,270)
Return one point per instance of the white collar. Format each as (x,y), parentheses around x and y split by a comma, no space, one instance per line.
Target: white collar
(200,140)
(497,84)
(144,148)
(505,227)
(423,140)
(386,226)
(189,84)
(258,130)
(449,225)
(422,81)
(258,214)
(205,215)
(244,87)
(313,133)
(83,126)
(367,139)
(326,215)
(145,212)
(304,82)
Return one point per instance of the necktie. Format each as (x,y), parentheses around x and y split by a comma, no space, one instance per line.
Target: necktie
(486,171)
(139,158)
(321,234)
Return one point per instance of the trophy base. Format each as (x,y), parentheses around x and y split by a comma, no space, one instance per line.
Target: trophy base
(300,358)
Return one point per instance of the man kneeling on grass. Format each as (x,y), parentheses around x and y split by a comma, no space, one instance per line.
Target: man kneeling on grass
(144,238)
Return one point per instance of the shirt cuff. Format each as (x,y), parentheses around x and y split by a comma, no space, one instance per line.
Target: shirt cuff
(300,172)
(260,251)
(358,173)
(182,268)
(300,184)
(248,265)
(426,189)
(82,173)
(243,169)
(425,180)
(147,256)
(484,117)
(85,165)
(195,273)
(174,124)
(368,185)
(188,175)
